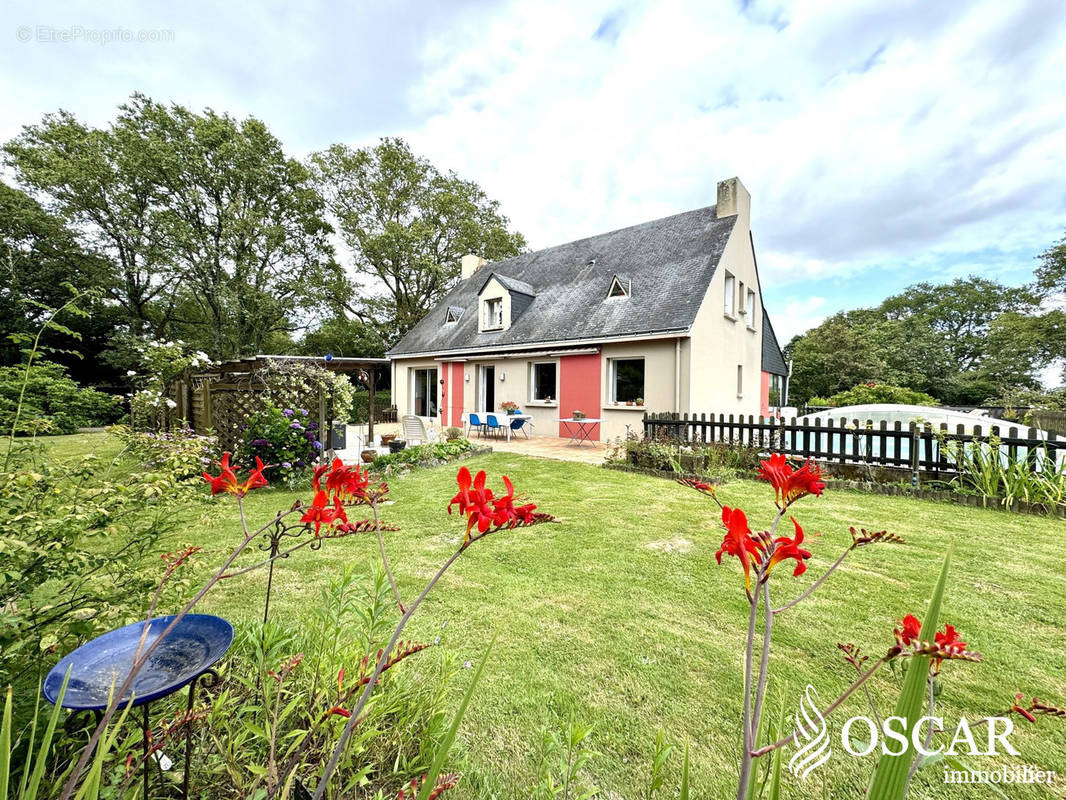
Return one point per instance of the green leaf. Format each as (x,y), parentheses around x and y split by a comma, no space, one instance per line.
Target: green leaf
(889,781)
(778,757)
(5,746)
(46,744)
(683,795)
(449,738)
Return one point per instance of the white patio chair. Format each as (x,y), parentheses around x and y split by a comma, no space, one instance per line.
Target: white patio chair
(416,432)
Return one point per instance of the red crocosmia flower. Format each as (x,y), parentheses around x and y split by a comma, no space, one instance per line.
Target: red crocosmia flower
(1017,708)
(321,513)
(227,481)
(340,712)
(909,631)
(316,477)
(482,508)
(738,540)
(949,639)
(790,548)
(791,484)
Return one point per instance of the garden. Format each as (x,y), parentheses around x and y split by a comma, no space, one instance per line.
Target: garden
(597,653)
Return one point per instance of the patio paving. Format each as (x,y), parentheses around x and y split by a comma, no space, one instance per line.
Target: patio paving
(539,446)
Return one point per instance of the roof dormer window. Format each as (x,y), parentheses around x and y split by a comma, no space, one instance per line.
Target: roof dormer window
(452,315)
(620,287)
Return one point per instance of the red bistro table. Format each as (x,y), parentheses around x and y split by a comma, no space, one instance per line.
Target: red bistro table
(580,430)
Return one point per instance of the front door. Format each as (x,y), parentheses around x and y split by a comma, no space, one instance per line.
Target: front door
(424,393)
(488,389)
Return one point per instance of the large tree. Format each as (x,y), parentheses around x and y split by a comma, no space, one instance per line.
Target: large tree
(963,342)
(407,225)
(243,221)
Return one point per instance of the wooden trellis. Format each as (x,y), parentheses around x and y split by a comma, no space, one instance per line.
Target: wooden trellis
(226,398)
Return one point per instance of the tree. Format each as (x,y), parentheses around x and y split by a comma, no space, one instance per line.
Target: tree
(243,221)
(101,182)
(342,337)
(407,226)
(832,357)
(1051,274)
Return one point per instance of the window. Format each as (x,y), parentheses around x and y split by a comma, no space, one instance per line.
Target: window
(542,382)
(627,380)
(742,297)
(453,314)
(740,380)
(730,294)
(424,393)
(749,308)
(618,288)
(493,314)
(776,387)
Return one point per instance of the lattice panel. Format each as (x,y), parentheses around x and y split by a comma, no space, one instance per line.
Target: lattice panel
(230,411)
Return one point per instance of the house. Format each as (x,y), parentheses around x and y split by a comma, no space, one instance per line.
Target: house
(662,316)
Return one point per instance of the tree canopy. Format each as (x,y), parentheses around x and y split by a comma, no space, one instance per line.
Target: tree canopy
(967,342)
(407,225)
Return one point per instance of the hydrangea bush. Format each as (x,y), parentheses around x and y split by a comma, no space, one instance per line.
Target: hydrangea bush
(286,439)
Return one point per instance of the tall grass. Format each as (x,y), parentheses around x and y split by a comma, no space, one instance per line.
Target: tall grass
(991,473)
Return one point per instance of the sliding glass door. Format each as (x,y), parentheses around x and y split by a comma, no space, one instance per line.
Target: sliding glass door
(424,393)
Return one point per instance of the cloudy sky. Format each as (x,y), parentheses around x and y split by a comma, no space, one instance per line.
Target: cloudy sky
(883,142)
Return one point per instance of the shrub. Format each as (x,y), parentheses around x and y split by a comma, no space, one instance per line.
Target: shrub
(865,393)
(285,439)
(52,402)
(182,454)
(426,455)
(158,365)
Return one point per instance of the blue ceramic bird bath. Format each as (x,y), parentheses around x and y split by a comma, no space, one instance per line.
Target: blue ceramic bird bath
(195,644)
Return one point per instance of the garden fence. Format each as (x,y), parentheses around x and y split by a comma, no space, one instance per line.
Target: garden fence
(912,446)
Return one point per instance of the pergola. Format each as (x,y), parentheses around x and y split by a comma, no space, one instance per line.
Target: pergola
(232,376)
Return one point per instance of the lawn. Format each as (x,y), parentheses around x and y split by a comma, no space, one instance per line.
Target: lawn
(621,616)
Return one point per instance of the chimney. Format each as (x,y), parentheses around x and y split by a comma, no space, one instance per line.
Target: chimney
(470,265)
(733,200)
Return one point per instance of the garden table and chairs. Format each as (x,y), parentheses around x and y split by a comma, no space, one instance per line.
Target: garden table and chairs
(580,429)
(507,424)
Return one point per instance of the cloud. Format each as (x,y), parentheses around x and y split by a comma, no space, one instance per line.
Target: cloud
(883,143)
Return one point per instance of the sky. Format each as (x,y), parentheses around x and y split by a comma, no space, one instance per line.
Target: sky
(883,143)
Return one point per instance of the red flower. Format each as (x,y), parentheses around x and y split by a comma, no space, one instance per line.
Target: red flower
(949,639)
(340,712)
(911,630)
(484,509)
(227,481)
(791,484)
(790,548)
(321,513)
(316,477)
(738,540)
(346,482)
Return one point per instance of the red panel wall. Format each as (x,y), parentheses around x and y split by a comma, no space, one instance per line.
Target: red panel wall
(579,388)
(457,388)
(764,395)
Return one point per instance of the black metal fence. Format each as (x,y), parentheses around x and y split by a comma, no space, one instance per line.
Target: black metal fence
(910,446)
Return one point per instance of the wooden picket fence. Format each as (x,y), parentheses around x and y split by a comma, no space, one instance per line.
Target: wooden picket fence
(910,446)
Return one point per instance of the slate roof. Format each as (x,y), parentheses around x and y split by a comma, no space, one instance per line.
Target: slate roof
(773,360)
(670,262)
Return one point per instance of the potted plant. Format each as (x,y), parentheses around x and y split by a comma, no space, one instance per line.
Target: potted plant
(578,414)
(510,407)
(396,445)
(369,455)
(386,438)
(640,401)
(453,433)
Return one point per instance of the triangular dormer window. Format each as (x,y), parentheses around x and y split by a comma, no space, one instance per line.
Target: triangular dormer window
(452,315)
(619,287)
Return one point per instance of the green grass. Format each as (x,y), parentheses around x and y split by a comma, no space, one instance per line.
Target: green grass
(621,615)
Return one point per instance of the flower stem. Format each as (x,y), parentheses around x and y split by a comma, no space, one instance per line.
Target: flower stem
(814,585)
(749,743)
(828,710)
(385,558)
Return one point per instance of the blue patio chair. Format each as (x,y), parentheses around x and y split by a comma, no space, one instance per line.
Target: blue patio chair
(474,421)
(492,424)
(519,425)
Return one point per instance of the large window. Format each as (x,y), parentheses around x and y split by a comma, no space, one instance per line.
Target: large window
(424,393)
(542,382)
(730,294)
(493,314)
(627,380)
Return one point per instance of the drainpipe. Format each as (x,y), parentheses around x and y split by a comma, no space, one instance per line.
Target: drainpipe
(788,384)
(677,375)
